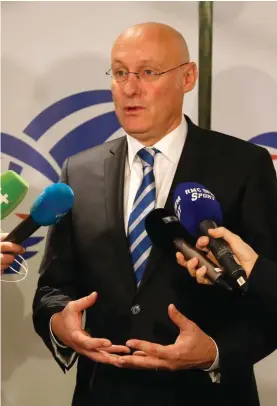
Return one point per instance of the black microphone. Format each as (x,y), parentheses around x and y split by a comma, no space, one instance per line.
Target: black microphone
(198,210)
(224,255)
(167,233)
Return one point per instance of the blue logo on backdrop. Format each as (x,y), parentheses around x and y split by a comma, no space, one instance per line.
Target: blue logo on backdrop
(268,140)
(86,135)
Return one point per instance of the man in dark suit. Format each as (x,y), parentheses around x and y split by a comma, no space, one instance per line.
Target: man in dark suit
(261,272)
(207,351)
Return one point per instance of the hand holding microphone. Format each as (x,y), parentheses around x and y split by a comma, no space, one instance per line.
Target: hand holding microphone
(166,232)
(198,211)
(50,206)
(244,254)
(8,252)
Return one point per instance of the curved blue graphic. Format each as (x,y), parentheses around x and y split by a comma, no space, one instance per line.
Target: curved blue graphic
(25,153)
(87,135)
(267,139)
(15,167)
(63,108)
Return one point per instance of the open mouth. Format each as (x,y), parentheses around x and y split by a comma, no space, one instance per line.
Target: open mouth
(133,109)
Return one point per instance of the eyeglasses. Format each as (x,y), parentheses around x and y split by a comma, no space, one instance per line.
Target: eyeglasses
(147,75)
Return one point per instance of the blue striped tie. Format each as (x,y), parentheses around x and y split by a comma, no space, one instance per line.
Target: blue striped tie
(140,243)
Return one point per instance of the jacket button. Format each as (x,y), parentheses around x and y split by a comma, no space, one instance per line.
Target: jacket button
(136,309)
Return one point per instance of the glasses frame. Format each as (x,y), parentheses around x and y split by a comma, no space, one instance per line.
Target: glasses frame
(109,72)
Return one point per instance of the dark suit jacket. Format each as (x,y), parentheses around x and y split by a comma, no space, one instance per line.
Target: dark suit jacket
(88,250)
(263,285)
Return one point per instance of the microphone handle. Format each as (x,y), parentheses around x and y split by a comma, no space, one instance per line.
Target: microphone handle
(214,274)
(224,255)
(23,230)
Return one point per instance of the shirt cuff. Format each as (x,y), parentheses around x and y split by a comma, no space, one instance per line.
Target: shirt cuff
(59,344)
(66,359)
(214,369)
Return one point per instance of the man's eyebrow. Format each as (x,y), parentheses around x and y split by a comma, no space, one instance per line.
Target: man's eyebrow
(141,62)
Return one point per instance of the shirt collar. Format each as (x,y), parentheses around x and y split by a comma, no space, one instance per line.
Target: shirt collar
(170,146)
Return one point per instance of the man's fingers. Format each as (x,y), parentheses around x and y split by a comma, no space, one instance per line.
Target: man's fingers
(85,342)
(222,232)
(200,276)
(12,248)
(83,303)
(202,243)
(3,236)
(181,259)
(116,349)
(101,356)
(152,349)
(140,353)
(6,259)
(138,362)
(191,266)
(178,318)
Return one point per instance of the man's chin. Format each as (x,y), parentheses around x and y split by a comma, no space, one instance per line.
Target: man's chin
(139,133)
(134,129)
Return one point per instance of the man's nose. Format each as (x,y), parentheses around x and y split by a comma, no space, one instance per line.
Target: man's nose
(132,85)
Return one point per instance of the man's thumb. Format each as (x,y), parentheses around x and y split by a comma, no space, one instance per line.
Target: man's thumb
(178,318)
(85,302)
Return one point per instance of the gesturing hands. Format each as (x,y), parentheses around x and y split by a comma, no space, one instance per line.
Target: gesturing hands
(192,348)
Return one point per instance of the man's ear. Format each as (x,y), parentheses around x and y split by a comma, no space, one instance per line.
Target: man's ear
(190,77)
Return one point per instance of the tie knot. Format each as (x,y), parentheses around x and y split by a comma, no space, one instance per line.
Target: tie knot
(147,156)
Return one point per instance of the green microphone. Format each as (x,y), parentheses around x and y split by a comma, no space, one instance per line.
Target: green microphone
(12,191)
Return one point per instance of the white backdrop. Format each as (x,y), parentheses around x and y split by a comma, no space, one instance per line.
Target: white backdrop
(52,50)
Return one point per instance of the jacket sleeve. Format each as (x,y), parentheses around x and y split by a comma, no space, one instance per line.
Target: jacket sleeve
(57,283)
(263,285)
(248,335)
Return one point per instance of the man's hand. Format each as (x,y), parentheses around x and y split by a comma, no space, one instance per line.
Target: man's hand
(8,252)
(67,327)
(243,254)
(192,349)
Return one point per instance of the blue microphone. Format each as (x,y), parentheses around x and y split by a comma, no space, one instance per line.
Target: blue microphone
(198,210)
(50,206)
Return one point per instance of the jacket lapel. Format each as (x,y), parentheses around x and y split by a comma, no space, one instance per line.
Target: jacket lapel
(114,198)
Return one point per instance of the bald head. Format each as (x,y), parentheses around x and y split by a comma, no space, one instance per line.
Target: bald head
(151,73)
(171,43)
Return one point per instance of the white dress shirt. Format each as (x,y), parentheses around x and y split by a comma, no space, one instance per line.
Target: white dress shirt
(165,166)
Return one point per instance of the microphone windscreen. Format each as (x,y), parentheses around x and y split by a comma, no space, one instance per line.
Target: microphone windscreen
(163,227)
(52,204)
(13,191)
(193,203)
